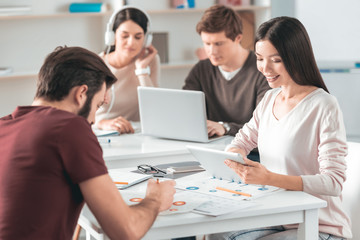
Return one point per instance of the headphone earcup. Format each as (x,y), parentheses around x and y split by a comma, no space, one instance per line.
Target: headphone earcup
(148,39)
(109,38)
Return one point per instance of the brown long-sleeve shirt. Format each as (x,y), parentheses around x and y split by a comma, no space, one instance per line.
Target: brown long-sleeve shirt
(232,101)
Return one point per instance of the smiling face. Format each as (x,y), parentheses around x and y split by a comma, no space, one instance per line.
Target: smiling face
(129,39)
(220,49)
(270,64)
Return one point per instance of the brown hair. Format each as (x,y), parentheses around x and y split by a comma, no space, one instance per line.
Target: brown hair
(219,18)
(68,67)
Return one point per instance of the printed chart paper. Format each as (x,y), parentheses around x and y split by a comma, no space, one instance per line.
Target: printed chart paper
(183,201)
(209,185)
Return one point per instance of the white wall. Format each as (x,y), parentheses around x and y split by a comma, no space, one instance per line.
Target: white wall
(282,8)
(25,42)
(14,93)
(333,27)
(345,87)
(334,32)
(351,190)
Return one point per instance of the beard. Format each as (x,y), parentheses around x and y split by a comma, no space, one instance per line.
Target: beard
(85,110)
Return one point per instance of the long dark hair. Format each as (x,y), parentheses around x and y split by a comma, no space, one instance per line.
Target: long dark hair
(133,14)
(292,42)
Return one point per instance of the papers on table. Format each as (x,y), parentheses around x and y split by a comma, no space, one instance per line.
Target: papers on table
(124,179)
(222,196)
(105,133)
(186,201)
(215,206)
(225,189)
(200,193)
(183,201)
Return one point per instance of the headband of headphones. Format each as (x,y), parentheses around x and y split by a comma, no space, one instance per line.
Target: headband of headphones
(110,35)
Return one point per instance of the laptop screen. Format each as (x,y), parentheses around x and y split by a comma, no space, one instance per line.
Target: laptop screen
(173,114)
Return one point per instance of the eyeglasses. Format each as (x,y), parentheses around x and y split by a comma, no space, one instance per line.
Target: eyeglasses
(148,169)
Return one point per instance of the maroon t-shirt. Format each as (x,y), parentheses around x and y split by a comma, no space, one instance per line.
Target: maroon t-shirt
(44,154)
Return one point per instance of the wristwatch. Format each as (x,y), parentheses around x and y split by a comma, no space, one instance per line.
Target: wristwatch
(140,71)
(226,126)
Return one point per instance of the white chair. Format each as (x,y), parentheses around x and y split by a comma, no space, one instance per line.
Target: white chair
(351,187)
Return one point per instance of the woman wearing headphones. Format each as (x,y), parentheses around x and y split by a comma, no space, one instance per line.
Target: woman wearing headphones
(134,61)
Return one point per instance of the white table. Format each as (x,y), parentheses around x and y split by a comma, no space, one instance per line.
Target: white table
(286,207)
(129,150)
(280,208)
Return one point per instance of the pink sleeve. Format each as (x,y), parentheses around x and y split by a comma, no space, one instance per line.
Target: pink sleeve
(332,150)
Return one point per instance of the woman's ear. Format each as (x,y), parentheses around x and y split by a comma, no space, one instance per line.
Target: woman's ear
(80,95)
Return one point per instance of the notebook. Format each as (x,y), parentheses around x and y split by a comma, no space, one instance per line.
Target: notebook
(124,179)
(173,114)
(106,133)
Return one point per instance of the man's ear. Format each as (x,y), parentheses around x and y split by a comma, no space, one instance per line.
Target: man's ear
(80,95)
(239,38)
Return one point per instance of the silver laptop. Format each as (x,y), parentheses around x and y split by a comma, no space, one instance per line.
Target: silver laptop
(173,114)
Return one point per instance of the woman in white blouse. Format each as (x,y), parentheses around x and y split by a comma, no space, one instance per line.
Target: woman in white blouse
(299,131)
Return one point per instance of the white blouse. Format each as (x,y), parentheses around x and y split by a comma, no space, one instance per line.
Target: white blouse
(309,141)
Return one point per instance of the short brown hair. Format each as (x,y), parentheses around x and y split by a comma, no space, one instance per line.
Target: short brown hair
(219,18)
(68,67)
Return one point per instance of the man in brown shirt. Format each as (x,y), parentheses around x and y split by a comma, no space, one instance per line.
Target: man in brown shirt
(229,77)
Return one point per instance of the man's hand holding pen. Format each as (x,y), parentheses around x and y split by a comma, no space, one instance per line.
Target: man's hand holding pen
(161,191)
